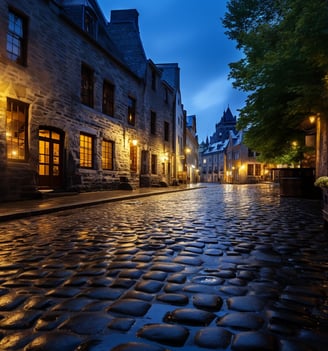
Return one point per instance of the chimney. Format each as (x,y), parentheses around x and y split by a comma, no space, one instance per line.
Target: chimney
(125,16)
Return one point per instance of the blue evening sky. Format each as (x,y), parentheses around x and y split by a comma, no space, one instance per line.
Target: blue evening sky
(190,33)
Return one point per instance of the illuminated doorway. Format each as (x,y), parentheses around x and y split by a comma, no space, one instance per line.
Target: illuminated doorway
(50,158)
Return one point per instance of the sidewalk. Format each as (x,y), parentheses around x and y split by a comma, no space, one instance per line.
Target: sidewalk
(56,202)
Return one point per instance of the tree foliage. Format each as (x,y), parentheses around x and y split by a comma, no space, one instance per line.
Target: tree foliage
(284,69)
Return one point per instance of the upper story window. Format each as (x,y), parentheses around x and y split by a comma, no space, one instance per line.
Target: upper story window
(87,85)
(108,99)
(90,22)
(166,131)
(86,151)
(131,111)
(153,122)
(17,37)
(16,130)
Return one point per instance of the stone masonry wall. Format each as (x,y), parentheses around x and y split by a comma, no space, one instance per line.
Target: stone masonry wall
(50,84)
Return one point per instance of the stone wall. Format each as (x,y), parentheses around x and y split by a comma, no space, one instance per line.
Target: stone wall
(50,84)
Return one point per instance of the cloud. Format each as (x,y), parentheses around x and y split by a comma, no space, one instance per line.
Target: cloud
(214,93)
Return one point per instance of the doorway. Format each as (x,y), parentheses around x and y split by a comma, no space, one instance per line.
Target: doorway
(50,158)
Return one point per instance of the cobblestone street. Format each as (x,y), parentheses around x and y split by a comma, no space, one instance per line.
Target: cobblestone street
(225,267)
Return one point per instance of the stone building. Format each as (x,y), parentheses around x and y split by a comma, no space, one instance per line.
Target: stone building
(225,158)
(241,164)
(213,151)
(192,150)
(81,107)
(171,74)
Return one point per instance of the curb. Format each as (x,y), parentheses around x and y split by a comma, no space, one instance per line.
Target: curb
(56,208)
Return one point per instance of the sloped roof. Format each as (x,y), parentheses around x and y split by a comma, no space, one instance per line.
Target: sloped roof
(171,74)
(228,116)
(219,146)
(73,12)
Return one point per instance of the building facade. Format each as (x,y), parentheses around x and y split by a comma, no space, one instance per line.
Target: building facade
(171,74)
(192,150)
(81,107)
(226,159)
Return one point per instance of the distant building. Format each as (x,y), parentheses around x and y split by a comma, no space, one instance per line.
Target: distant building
(225,158)
(191,151)
(81,106)
(171,74)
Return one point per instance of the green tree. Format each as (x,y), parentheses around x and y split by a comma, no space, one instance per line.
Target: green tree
(284,69)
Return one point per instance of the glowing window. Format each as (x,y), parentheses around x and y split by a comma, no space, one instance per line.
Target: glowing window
(107,155)
(16,130)
(86,151)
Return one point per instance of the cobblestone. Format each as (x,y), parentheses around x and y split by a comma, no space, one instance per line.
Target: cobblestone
(226,267)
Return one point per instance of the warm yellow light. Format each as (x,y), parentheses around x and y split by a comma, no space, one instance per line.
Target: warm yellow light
(312,119)
(188,150)
(294,143)
(134,142)
(242,167)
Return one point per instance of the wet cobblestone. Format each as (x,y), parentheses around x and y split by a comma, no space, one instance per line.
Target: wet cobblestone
(226,267)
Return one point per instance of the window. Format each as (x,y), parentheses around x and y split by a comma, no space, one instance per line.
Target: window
(90,22)
(108,98)
(153,122)
(166,131)
(131,111)
(86,151)
(86,85)
(257,169)
(16,130)
(17,38)
(250,169)
(107,155)
(154,164)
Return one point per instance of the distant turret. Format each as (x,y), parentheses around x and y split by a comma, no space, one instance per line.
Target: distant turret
(222,129)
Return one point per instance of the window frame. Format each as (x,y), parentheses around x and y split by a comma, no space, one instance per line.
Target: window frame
(132,103)
(250,169)
(257,169)
(109,153)
(87,85)
(108,98)
(19,38)
(166,131)
(20,107)
(90,23)
(87,161)
(153,122)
